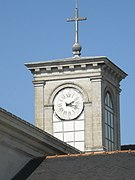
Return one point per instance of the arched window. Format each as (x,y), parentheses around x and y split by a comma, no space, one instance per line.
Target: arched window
(68,126)
(109,123)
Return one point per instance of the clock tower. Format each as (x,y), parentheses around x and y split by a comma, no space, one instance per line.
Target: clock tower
(77,99)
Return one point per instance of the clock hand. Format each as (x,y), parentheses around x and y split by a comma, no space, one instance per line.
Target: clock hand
(72,105)
(69,104)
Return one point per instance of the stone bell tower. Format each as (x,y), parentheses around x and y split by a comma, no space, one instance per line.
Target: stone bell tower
(77,99)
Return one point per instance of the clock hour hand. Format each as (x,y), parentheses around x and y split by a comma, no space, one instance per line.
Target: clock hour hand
(70,104)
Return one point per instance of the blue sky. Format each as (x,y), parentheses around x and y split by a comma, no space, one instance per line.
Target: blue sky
(36,30)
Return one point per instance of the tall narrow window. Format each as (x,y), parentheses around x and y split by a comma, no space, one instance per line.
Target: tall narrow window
(109,123)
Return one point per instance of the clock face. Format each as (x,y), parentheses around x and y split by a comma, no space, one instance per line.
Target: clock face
(68,104)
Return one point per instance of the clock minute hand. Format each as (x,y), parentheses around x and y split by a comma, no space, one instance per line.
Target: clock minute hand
(70,104)
(74,106)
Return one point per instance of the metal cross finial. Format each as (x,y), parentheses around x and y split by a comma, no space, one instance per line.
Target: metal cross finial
(76,46)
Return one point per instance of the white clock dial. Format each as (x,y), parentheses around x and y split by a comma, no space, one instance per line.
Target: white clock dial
(68,104)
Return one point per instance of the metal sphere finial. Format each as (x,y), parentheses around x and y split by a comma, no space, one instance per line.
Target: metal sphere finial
(76,49)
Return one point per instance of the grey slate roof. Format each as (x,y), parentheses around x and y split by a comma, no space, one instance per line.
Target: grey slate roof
(127,147)
(104,166)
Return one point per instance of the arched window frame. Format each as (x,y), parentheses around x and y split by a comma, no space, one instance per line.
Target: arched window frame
(109,122)
(77,133)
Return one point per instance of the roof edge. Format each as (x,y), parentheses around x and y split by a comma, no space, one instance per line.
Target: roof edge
(91,154)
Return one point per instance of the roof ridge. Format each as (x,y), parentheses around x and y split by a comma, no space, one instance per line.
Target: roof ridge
(90,154)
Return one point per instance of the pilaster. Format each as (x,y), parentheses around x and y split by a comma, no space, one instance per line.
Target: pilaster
(48,120)
(39,103)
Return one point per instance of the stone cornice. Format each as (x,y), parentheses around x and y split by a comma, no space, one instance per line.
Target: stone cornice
(76,65)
